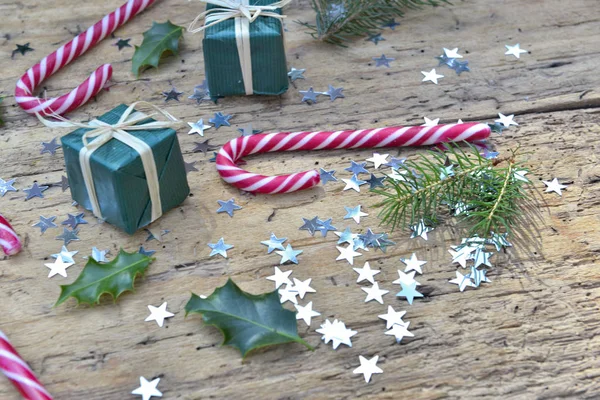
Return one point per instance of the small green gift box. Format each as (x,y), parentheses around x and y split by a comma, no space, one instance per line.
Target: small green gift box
(124,180)
(243,56)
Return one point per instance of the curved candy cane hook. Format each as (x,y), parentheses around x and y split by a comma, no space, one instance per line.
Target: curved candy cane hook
(364,138)
(49,65)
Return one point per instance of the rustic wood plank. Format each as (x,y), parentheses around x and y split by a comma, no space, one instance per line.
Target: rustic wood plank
(532,333)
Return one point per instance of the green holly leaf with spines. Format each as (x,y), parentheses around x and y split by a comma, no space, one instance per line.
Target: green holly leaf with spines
(247,321)
(159,39)
(114,278)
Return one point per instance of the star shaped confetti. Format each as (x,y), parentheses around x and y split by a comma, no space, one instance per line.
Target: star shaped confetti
(399,332)
(325,226)
(66,255)
(368,367)
(159,314)
(520,175)
(374,293)
(347,254)
(22,49)
(506,120)
(228,207)
(515,50)
(147,389)
(383,61)
(303,287)
(420,229)
(203,147)
(445,60)
(431,76)
(220,120)
(306,313)
(366,273)
(289,254)
(334,93)
(554,186)
(409,291)
(327,176)
(190,167)
(59,266)
(122,43)
(430,122)
(462,281)
(147,253)
(50,147)
(393,317)
(452,53)
(35,191)
(172,94)
(99,255)
(406,279)
(413,264)
(357,168)
(68,236)
(378,160)
(354,213)
(310,225)
(461,67)
(375,38)
(309,96)
(336,332)
(198,127)
(201,93)
(346,237)
(219,248)
(296,74)
(7,186)
(74,220)
(45,223)
(353,183)
(248,131)
(274,243)
(288,293)
(281,278)
(395,163)
(375,182)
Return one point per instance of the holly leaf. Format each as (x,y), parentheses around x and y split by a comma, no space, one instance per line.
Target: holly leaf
(160,39)
(247,321)
(114,277)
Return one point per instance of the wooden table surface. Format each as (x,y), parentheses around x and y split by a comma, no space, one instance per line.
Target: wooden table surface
(534,332)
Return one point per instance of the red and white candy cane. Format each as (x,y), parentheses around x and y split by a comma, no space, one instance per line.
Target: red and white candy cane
(19,373)
(364,138)
(9,241)
(67,53)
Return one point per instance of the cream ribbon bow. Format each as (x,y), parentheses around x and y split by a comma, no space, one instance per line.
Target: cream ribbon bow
(243,14)
(103,132)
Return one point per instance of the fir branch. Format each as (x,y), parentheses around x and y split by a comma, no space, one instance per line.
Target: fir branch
(482,193)
(337,21)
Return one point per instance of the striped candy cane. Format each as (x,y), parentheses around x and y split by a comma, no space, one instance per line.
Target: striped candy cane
(364,138)
(67,53)
(9,241)
(19,373)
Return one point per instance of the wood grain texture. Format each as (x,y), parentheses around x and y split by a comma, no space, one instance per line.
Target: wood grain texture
(533,333)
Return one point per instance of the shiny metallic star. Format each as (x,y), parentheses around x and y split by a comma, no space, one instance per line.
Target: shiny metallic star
(45,223)
(406,279)
(461,67)
(368,367)
(189,166)
(99,255)
(346,237)
(554,186)
(203,147)
(395,163)
(219,248)
(303,287)
(383,61)
(515,50)
(147,253)
(420,229)
(122,43)
(336,332)
(431,76)
(374,293)
(334,93)
(59,266)
(431,122)
(198,127)
(375,182)
(66,255)
(356,168)
(306,313)
(353,183)
(309,96)
(393,317)
(310,225)
(172,94)
(478,276)
(375,38)
(21,48)
(445,60)
(289,254)
(274,243)
(327,176)
(35,191)
(147,389)
(281,278)
(325,226)
(228,206)
(68,236)
(248,131)
(399,332)
(288,293)
(347,254)
(506,120)
(409,291)
(392,24)
(378,160)
(462,281)
(7,186)
(413,264)
(296,74)
(201,93)
(50,147)
(452,53)
(220,120)
(74,220)
(520,175)
(354,213)
(159,314)
(366,273)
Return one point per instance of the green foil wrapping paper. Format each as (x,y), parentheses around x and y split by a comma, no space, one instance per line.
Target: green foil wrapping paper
(222,62)
(119,176)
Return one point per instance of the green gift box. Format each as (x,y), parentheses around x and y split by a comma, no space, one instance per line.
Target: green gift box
(119,177)
(267,55)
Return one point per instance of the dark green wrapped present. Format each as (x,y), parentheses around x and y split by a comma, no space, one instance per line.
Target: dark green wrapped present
(120,182)
(266,54)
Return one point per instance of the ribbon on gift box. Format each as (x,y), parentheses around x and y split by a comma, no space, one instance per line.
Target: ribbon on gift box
(102,133)
(243,15)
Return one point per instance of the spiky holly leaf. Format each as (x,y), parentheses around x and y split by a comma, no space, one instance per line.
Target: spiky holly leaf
(114,278)
(247,321)
(160,39)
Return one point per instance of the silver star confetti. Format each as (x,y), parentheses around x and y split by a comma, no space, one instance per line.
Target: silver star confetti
(413,264)
(66,255)
(406,279)
(554,186)
(59,266)
(346,237)
(336,332)
(147,253)
(452,53)
(306,313)
(99,255)
(375,182)
(64,183)
(281,278)
(399,332)
(309,96)
(172,94)
(303,287)
(198,127)
(430,122)
(383,61)
(357,168)
(462,281)
(296,74)
(45,223)
(431,76)
(366,273)
(325,226)
(515,50)
(220,120)
(506,120)
(7,186)
(327,176)
(228,207)
(378,160)
(353,183)
(50,147)
(289,254)
(68,236)
(74,220)
(368,367)
(248,131)
(420,229)
(409,291)
(219,248)
(334,93)
(147,389)
(393,317)
(274,243)
(310,225)
(374,293)
(375,38)
(347,254)
(354,213)
(159,314)
(35,191)
(288,293)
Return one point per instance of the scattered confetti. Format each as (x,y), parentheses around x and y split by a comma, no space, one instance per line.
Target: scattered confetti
(515,50)
(203,147)
(452,53)
(147,253)
(374,293)
(68,236)
(7,186)
(303,287)
(274,243)
(288,293)
(354,213)
(375,182)
(554,186)
(122,43)
(383,61)
(366,273)
(59,266)
(74,220)
(409,291)
(190,166)
(248,131)
(310,225)
(347,254)
(368,368)
(462,281)
(289,254)
(413,264)
(66,255)
(393,317)
(99,255)
(357,168)
(22,49)
(306,313)
(172,94)
(431,76)
(334,93)
(392,24)
(50,147)
(147,389)
(309,96)
(431,122)
(506,120)
(45,223)
(159,314)
(336,332)
(353,183)
(399,332)
(219,248)
(420,229)
(64,183)
(228,206)
(296,74)
(220,120)
(198,127)
(326,176)
(35,191)
(378,160)
(325,226)
(375,38)
(281,278)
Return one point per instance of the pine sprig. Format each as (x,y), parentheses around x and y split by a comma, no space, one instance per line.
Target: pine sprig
(338,21)
(485,195)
